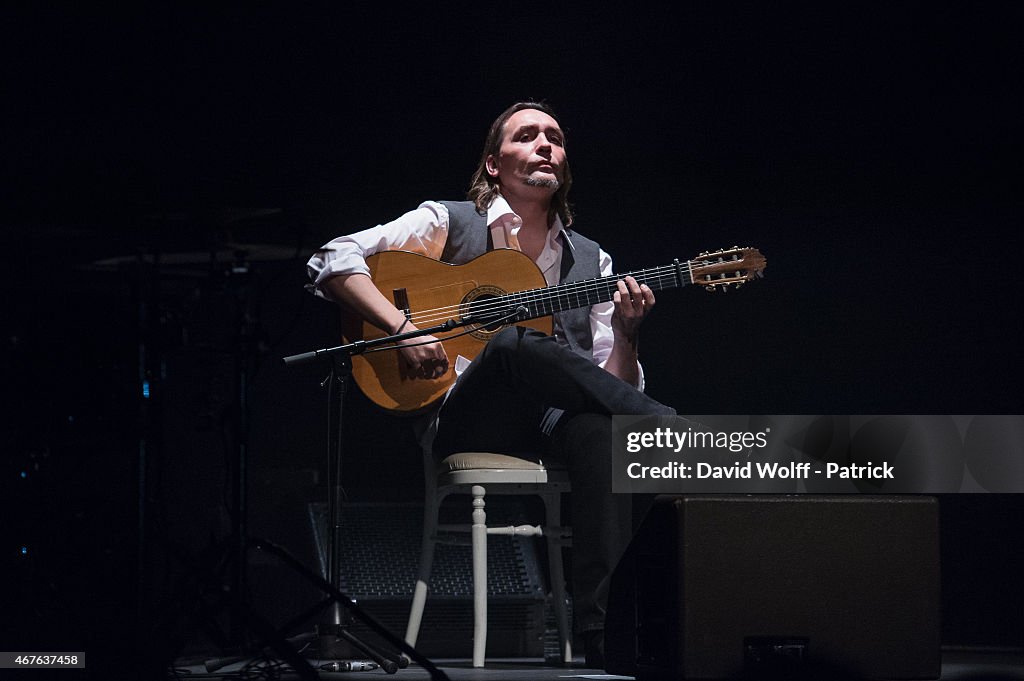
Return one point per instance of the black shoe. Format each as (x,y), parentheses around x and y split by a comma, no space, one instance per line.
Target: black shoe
(593,648)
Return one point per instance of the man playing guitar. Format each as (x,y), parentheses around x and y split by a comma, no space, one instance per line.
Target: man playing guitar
(526,393)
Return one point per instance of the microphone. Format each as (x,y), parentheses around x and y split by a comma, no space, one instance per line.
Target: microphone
(520,313)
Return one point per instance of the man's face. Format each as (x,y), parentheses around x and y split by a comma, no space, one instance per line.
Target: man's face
(532,153)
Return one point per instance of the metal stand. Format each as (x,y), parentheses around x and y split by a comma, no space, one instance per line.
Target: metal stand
(333,635)
(336,641)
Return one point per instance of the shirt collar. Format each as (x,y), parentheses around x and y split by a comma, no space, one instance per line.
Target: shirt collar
(499,208)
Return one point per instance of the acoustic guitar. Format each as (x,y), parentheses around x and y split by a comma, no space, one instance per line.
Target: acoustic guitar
(499,288)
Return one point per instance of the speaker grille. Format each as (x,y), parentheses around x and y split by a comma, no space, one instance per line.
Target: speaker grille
(380,560)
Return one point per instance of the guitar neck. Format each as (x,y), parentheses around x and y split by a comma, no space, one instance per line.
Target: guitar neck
(570,295)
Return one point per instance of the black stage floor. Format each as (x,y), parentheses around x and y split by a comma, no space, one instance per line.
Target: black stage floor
(957,665)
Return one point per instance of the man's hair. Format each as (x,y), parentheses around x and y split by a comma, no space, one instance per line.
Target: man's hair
(483,188)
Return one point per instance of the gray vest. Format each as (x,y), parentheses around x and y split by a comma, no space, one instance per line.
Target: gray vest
(469,237)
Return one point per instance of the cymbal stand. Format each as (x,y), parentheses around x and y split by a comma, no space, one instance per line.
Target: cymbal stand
(239,482)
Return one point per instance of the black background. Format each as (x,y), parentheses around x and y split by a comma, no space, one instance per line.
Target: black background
(870,152)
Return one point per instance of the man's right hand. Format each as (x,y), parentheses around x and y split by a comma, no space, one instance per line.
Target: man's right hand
(361,296)
(423,361)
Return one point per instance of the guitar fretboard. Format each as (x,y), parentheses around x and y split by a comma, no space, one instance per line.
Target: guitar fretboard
(571,295)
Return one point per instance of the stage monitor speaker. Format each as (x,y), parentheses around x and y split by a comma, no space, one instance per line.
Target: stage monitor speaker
(716,587)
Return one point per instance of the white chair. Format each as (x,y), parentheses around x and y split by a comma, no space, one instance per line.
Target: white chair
(480,474)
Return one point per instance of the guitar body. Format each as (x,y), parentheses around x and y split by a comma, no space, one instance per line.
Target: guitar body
(445,292)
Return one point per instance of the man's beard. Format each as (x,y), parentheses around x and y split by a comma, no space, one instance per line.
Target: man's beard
(542,182)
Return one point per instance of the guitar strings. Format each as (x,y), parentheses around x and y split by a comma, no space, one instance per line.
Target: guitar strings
(655,277)
(464,332)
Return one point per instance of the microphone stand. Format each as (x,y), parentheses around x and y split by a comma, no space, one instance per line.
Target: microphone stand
(360,346)
(333,631)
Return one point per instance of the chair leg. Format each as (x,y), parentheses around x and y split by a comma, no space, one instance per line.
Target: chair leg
(479,540)
(553,514)
(419,596)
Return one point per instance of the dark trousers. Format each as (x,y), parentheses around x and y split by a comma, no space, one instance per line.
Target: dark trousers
(497,406)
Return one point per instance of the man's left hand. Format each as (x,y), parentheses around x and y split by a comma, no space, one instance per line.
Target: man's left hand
(633,302)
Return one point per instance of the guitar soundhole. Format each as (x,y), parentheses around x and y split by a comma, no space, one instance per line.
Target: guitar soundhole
(482,302)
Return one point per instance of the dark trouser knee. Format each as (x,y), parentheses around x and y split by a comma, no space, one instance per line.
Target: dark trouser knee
(511,341)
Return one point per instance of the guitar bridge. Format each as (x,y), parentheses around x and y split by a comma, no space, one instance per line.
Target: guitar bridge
(401,298)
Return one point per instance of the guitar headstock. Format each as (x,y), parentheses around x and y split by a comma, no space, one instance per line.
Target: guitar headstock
(728,267)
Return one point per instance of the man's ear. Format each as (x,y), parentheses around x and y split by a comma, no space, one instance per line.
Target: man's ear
(491,165)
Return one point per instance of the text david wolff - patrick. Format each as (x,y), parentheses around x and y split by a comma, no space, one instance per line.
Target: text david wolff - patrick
(771,471)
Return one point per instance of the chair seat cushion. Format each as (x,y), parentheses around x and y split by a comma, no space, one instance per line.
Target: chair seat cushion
(466,461)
